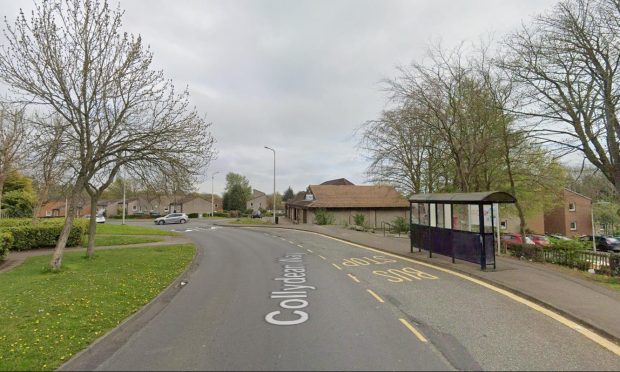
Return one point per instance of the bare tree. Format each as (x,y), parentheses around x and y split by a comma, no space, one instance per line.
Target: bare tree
(47,164)
(13,135)
(73,58)
(567,66)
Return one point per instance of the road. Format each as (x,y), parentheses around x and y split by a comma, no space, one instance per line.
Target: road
(274,299)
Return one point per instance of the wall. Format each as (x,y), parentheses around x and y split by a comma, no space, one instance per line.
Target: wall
(256,203)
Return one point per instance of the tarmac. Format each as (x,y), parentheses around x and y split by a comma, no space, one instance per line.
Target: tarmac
(557,288)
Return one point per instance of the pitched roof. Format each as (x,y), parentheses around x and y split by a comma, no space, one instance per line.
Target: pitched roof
(257,194)
(352,196)
(339,182)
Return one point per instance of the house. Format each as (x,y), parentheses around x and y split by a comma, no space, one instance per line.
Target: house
(257,201)
(56,208)
(572,217)
(344,200)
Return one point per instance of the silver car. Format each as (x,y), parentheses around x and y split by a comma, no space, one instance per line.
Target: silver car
(172,218)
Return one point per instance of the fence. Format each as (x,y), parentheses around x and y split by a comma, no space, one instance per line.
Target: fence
(603,262)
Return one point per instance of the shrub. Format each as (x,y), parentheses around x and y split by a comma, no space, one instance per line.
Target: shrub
(359,218)
(6,241)
(401,224)
(192,215)
(44,234)
(575,245)
(528,251)
(322,217)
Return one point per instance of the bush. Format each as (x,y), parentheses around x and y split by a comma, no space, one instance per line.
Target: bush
(44,234)
(6,241)
(575,245)
(359,218)
(528,251)
(192,215)
(401,224)
(322,217)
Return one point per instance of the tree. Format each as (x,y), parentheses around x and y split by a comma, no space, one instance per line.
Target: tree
(288,194)
(19,197)
(73,59)
(47,164)
(278,201)
(237,192)
(13,134)
(567,68)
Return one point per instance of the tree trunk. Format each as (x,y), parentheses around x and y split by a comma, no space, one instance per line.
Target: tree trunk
(56,261)
(1,189)
(42,200)
(92,225)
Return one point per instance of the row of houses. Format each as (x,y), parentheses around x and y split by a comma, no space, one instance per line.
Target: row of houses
(381,204)
(160,205)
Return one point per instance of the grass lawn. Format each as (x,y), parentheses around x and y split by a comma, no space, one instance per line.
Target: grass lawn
(47,317)
(111,229)
(608,281)
(250,221)
(105,240)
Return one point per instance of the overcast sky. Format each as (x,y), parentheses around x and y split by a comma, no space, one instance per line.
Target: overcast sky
(298,76)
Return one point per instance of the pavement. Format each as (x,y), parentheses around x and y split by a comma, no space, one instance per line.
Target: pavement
(557,288)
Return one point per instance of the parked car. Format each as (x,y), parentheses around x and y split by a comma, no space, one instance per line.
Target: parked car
(557,237)
(256,214)
(604,243)
(172,218)
(515,239)
(540,240)
(98,218)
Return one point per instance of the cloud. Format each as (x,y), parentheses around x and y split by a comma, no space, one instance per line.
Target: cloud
(299,76)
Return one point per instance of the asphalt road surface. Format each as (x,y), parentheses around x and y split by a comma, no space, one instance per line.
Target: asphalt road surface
(273,299)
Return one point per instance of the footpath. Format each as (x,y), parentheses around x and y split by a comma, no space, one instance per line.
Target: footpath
(554,287)
(16,258)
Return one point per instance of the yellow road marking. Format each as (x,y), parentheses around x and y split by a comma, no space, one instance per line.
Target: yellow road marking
(413,330)
(376,296)
(553,315)
(337,267)
(323,257)
(353,277)
(310,250)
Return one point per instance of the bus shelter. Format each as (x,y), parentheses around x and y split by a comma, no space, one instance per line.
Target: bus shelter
(458,225)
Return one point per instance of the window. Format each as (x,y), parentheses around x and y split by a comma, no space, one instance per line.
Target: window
(251,204)
(134,207)
(503,224)
(573,225)
(48,213)
(572,207)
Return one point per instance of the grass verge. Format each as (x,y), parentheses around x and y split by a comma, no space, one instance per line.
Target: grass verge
(47,317)
(608,281)
(250,221)
(105,240)
(112,229)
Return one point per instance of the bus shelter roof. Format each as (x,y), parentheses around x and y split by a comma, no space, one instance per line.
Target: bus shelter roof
(485,197)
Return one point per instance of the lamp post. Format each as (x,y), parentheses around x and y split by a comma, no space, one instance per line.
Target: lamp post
(274,183)
(212,176)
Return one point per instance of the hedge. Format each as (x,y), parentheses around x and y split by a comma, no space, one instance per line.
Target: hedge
(193,215)
(6,240)
(44,234)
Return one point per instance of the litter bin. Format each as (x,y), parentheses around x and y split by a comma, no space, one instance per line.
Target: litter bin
(276,220)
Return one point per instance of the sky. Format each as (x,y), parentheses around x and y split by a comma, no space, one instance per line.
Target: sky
(298,76)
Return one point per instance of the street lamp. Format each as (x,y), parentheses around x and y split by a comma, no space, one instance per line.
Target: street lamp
(212,176)
(274,183)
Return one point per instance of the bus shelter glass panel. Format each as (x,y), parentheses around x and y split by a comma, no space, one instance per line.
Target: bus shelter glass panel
(415,213)
(440,215)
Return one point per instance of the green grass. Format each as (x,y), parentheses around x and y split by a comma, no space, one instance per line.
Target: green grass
(608,281)
(105,240)
(250,221)
(46,317)
(112,229)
